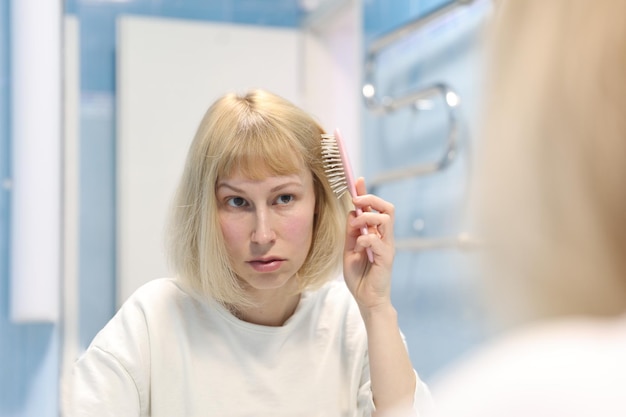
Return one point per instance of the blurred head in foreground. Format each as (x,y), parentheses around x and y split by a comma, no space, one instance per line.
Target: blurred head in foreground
(552,174)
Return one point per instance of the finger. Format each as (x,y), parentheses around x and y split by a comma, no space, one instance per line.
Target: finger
(361,190)
(375,203)
(360,186)
(379,224)
(383,251)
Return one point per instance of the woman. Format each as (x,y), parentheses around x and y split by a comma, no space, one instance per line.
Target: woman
(256,323)
(554,213)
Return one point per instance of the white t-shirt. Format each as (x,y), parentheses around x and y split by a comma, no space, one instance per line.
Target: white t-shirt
(167,354)
(565,368)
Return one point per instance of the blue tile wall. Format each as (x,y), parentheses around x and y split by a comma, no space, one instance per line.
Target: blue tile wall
(380,16)
(97,218)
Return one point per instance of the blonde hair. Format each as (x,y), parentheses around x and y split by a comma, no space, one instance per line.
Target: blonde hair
(257,134)
(553,171)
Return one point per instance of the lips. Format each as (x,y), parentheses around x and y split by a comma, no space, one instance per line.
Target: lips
(266,264)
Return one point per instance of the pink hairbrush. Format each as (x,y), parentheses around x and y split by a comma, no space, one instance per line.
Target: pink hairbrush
(339,172)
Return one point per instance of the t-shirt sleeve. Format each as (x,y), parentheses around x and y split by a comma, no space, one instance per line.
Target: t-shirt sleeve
(111,378)
(422,399)
(423,404)
(100,386)
(365,400)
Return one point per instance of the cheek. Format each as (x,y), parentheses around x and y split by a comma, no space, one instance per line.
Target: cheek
(299,229)
(232,231)
(300,226)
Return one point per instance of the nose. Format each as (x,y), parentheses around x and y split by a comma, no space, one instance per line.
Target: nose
(263,232)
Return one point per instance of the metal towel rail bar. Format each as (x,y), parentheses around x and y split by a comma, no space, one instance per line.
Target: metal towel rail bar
(462,241)
(451,100)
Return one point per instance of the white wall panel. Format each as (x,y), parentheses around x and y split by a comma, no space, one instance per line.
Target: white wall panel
(36,107)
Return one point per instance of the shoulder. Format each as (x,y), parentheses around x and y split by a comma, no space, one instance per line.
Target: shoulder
(335,294)
(337,290)
(156,288)
(159,296)
(334,306)
(155,302)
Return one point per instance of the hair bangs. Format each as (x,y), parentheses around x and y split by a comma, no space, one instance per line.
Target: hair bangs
(258,153)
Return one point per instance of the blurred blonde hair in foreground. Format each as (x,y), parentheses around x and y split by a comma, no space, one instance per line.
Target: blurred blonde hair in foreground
(551,206)
(553,172)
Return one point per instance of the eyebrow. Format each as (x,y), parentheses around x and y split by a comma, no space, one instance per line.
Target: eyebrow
(273,189)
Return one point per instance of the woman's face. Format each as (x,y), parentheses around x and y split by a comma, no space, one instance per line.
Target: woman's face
(267,226)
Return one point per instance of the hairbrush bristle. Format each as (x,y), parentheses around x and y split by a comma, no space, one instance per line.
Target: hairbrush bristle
(333,165)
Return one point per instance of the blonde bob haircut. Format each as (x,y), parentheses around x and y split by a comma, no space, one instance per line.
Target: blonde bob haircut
(257,134)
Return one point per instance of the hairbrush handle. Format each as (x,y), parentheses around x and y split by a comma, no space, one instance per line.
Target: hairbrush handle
(347,168)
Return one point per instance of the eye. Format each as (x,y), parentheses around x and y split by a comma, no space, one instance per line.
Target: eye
(236,202)
(284,199)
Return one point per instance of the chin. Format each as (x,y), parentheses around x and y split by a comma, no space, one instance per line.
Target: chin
(268,282)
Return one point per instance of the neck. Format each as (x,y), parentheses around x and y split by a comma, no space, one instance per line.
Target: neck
(272,308)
